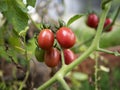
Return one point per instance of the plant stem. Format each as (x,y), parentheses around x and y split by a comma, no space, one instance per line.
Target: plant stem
(84,42)
(26,77)
(59,74)
(100,26)
(47,84)
(63,83)
(28,64)
(96,72)
(62,57)
(109,52)
(95,42)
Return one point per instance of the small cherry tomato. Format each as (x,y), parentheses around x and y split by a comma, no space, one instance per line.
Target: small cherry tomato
(92,20)
(46,39)
(108,21)
(69,56)
(39,54)
(65,37)
(52,57)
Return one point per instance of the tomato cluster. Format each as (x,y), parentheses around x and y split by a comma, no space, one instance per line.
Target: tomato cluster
(47,52)
(93,20)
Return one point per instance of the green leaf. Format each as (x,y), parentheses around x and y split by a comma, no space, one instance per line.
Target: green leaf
(16,16)
(31,2)
(23,33)
(74,18)
(21,5)
(3,5)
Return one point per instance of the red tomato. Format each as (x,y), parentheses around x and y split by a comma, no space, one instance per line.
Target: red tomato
(46,39)
(69,56)
(52,57)
(92,20)
(65,37)
(108,21)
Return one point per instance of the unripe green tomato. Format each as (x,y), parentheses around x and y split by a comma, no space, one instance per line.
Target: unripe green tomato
(39,54)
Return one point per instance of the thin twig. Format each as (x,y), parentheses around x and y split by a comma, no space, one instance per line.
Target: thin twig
(18,66)
(96,72)
(84,42)
(63,83)
(109,52)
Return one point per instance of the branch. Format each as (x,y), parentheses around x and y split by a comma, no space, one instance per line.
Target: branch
(62,57)
(18,66)
(109,52)
(95,42)
(47,84)
(63,83)
(28,63)
(24,81)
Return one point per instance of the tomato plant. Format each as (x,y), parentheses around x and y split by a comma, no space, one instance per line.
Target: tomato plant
(20,50)
(52,57)
(65,37)
(69,56)
(92,20)
(45,39)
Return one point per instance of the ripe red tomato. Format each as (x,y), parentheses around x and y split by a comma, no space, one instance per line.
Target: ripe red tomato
(46,39)
(39,54)
(52,57)
(69,56)
(108,21)
(65,37)
(92,20)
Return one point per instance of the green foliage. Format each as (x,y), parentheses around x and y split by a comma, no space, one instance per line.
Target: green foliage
(16,16)
(73,19)
(31,2)
(3,5)
(16,12)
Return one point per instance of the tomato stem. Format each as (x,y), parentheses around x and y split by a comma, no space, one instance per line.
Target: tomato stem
(109,52)
(63,83)
(95,42)
(62,58)
(47,84)
(96,71)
